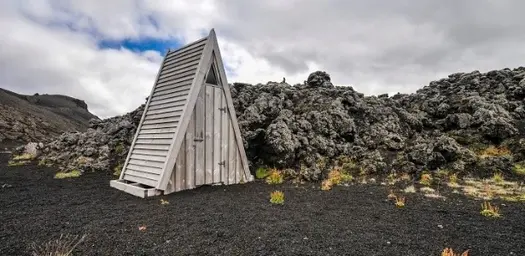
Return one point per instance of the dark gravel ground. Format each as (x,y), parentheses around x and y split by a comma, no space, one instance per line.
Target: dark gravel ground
(239,220)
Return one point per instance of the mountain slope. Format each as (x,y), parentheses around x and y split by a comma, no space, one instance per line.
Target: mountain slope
(25,118)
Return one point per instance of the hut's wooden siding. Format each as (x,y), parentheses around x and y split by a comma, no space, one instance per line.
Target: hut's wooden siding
(149,150)
(210,154)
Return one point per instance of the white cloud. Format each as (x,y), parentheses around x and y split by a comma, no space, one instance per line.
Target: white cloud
(376,46)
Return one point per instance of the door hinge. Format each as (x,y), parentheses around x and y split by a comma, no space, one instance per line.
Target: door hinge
(223,109)
(222,163)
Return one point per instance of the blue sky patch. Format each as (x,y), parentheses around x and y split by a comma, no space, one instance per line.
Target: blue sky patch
(141,45)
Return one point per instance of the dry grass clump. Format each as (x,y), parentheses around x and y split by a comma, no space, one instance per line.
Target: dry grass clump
(63,246)
(275,177)
(489,210)
(450,252)
(493,151)
(71,174)
(426,179)
(335,177)
(277,197)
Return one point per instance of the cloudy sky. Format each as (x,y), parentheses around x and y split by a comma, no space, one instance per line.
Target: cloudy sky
(108,52)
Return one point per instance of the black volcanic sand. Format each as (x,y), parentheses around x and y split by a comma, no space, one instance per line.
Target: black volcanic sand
(239,220)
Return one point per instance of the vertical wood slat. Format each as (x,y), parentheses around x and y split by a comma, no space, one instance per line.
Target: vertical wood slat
(208,144)
(217,135)
(232,153)
(190,154)
(241,176)
(180,168)
(225,132)
(199,142)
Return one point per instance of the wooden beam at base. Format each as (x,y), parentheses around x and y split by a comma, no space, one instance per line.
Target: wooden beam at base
(135,189)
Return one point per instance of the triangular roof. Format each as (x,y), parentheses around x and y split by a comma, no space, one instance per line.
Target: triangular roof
(169,109)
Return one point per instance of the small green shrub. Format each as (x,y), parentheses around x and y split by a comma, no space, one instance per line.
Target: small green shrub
(261,173)
(277,197)
(16,163)
(71,174)
(117,170)
(519,169)
(119,149)
(426,179)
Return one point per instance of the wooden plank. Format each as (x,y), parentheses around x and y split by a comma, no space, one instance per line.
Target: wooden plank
(168,105)
(142,118)
(208,140)
(154,141)
(217,134)
(180,170)
(168,135)
(133,189)
(178,99)
(150,152)
(169,90)
(199,135)
(189,47)
(153,147)
(176,66)
(172,120)
(176,76)
(148,158)
(180,81)
(139,179)
(159,126)
(238,167)
(190,154)
(171,95)
(163,115)
(229,101)
(225,132)
(176,72)
(165,110)
(232,154)
(146,175)
(154,131)
(179,136)
(146,163)
(174,84)
(184,59)
(147,169)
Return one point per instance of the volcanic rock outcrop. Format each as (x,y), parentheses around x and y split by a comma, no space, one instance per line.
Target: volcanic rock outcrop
(467,123)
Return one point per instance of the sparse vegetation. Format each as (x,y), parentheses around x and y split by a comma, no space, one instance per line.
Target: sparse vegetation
(25,156)
(261,173)
(519,169)
(275,177)
(17,163)
(410,189)
(498,178)
(117,170)
(400,202)
(71,174)
(426,179)
(277,197)
(119,149)
(164,202)
(489,210)
(493,151)
(450,252)
(63,246)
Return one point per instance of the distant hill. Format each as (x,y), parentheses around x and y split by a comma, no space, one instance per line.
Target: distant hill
(25,118)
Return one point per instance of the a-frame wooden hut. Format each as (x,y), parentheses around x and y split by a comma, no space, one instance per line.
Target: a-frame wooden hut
(188,135)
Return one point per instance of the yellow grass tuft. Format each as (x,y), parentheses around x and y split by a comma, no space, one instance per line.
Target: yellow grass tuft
(489,210)
(63,246)
(426,179)
(275,177)
(519,169)
(450,252)
(164,202)
(493,151)
(71,174)
(400,202)
(277,197)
